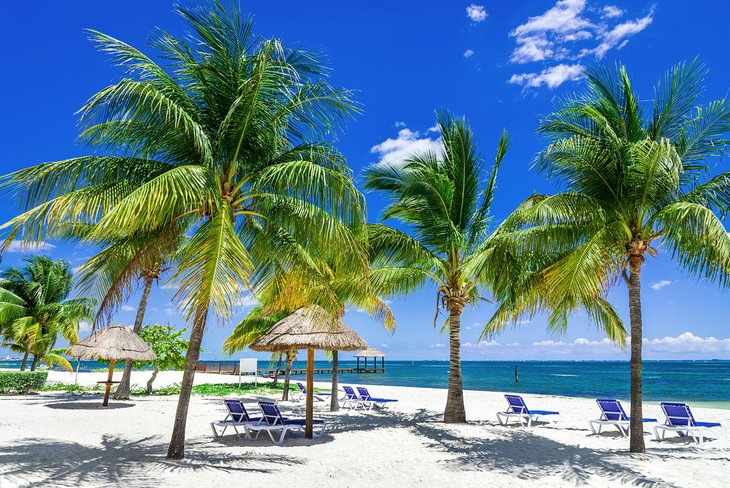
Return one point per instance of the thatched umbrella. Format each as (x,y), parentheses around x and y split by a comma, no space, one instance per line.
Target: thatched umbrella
(113,343)
(309,328)
(370,352)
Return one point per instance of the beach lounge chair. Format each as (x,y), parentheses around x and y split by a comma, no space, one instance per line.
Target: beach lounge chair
(351,400)
(517,409)
(320,397)
(681,421)
(371,401)
(237,417)
(612,413)
(274,422)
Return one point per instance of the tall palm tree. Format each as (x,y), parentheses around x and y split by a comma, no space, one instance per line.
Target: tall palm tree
(333,283)
(225,138)
(443,200)
(35,308)
(630,182)
(118,270)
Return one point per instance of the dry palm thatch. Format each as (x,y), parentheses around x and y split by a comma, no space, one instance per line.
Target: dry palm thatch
(309,328)
(370,352)
(116,342)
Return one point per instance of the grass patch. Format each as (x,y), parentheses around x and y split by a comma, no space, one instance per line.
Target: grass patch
(208,389)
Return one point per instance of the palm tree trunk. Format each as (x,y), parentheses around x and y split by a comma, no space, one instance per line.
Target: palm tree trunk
(287,376)
(636,442)
(152,379)
(25,360)
(455,411)
(35,362)
(276,373)
(122,392)
(334,400)
(176,450)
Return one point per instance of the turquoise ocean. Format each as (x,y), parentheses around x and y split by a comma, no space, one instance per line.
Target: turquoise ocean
(705,383)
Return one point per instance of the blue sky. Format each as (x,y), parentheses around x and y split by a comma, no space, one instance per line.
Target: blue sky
(502,64)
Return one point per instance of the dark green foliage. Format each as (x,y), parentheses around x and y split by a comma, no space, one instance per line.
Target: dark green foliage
(22,382)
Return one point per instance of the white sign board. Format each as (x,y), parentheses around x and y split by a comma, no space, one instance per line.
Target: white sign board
(248,366)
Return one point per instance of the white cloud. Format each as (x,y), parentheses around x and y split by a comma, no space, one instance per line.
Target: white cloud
(29,246)
(468,53)
(611,11)
(170,311)
(384,346)
(618,36)
(246,301)
(566,32)
(565,16)
(532,49)
(438,345)
(660,284)
(551,77)
(476,13)
(407,144)
(398,124)
(686,343)
(84,326)
(127,308)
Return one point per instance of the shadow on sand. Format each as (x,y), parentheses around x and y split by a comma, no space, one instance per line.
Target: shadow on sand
(119,462)
(88,405)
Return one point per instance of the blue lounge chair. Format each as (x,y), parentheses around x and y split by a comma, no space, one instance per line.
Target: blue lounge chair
(320,397)
(351,400)
(371,401)
(518,410)
(681,421)
(273,422)
(237,417)
(613,413)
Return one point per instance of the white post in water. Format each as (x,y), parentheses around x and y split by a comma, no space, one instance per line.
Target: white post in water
(248,365)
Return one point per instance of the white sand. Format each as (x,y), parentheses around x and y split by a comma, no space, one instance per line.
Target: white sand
(61,440)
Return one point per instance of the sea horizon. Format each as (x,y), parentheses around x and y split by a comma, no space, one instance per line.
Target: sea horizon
(704,382)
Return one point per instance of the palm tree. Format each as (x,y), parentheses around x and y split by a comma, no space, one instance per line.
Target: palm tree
(630,182)
(225,139)
(441,198)
(117,271)
(35,309)
(333,283)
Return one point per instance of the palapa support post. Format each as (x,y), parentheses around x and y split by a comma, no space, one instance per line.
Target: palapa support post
(309,419)
(108,384)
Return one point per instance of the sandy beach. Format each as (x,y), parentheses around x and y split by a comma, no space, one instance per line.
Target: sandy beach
(63,440)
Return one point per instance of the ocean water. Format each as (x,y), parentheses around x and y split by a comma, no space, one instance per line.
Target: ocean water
(704,383)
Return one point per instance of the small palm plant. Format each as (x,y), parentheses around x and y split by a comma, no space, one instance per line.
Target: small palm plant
(443,199)
(36,310)
(630,182)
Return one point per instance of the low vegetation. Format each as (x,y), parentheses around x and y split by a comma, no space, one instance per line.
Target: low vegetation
(21,382)
(218,389)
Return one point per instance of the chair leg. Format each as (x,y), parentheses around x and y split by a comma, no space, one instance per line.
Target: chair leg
(281,438)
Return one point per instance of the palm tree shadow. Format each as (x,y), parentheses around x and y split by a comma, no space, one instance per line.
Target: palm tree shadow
(524,455)
(86,405)
(119,461)
(517,452)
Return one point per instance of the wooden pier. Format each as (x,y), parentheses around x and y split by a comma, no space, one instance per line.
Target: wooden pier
(230,368)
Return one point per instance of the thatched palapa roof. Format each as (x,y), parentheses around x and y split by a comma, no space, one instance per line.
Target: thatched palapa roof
(116,342)
(309,328)
(370,352)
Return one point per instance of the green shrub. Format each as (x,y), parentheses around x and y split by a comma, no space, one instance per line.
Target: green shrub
(22,382)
